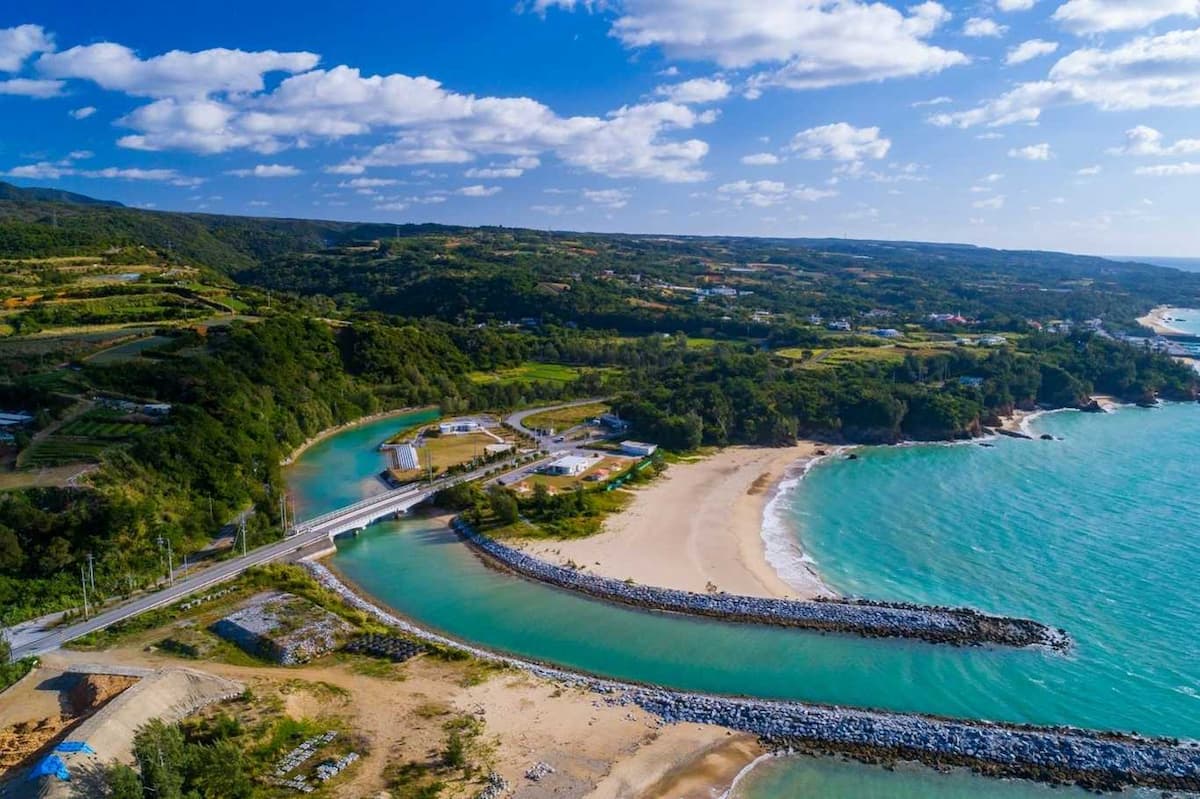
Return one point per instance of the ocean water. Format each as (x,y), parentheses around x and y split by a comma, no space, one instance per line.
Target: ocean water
(1185,320)
(1095,532)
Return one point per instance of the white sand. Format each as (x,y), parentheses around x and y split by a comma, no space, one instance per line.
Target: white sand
(698,527)
(1156,320)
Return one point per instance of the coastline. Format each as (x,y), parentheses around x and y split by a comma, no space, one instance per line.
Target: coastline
(705,523)
(341,428)
(1093,759)
(1158,321)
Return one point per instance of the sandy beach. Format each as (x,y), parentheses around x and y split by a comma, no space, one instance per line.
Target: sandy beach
(597,750)
(1158,320)
(698,528)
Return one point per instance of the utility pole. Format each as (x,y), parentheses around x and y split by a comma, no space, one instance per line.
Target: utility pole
(242,530)
(170,564)
(91,559)
(83,580)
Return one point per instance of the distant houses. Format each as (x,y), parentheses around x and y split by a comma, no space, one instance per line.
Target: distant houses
(887,332)
(613,422)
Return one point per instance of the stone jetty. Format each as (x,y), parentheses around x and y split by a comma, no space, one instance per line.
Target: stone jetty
(959,626)
(1102,761)
(1099,760)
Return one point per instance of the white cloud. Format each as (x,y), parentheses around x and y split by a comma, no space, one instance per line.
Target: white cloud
(1029,50)
(479,191)
(696,90)
(1015,5)
(266,171)
(1146,141)
(83,113)
(45,170)
(804,44)
(176,74)
(840,142)
(760,159)
(981,28)
(1170,170)
(943,100)
(367,183)
(765,193)
(428,124)
(396,206)
(19,43)
(1089,171)
(28,87)
(610,198)
(512,169)
(1146,72)
(1099,16)
(990,136)
(1032,152)
(991,203)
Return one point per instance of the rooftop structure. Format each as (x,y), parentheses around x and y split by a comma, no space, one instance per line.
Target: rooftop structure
(638,448)
(458,427)
(568,466)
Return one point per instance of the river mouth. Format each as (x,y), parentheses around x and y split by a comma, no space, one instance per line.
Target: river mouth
(1111,680)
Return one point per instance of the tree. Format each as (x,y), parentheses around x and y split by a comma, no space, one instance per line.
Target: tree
(12,557)
(503,505)
(124,783)
(159,749)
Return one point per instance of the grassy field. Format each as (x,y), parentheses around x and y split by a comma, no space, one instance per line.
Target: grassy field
(528,372)
(557,483)
(447,451)
(108,430)
(128,351)
(562,418)
(59,450)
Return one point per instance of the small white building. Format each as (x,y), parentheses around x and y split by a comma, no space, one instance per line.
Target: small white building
(993,341)
(458,427)
(568,466)
(638,448)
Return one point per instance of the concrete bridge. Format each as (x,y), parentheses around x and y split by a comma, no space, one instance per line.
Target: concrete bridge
(352,518)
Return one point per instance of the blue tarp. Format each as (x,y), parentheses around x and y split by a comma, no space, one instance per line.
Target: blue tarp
(73,747)
(50,765)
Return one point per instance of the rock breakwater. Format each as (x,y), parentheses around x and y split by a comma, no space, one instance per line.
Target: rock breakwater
(1100,760)
(1104,761)
(959,626)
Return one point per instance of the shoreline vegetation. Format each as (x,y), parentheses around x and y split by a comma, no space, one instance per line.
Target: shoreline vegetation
(330,431)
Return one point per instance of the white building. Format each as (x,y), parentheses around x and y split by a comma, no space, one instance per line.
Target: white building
(458,427)
(638,448)
(993,341)
(568,466)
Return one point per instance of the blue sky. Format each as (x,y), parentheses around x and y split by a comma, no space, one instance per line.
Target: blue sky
(1057,124)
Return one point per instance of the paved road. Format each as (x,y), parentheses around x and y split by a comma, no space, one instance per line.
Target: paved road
(33,640)
(31,644)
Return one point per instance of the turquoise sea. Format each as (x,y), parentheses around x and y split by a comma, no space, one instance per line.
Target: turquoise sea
(1094,532)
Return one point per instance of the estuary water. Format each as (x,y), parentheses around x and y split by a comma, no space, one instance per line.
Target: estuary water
(1094,532)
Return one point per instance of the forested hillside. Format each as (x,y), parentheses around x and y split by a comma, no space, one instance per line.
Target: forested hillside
(256,334)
